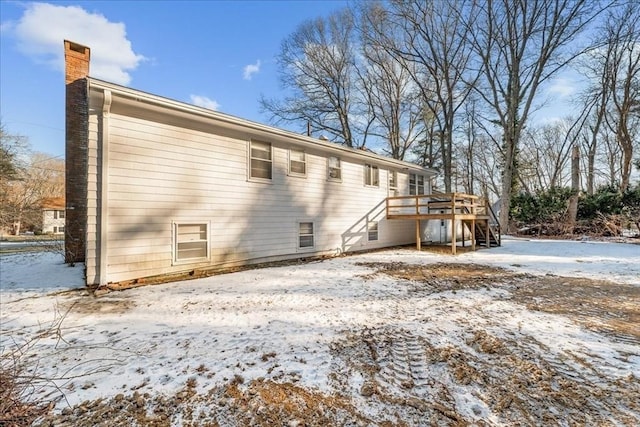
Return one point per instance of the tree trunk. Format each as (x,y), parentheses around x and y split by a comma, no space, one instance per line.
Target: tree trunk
(575,187)
(507,184)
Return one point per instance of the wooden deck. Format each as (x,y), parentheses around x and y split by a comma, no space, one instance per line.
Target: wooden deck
(473,213)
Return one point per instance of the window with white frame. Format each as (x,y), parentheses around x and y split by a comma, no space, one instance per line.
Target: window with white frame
(371,175)
(334,169)
(297,163)
(260,160)
(393,180)
(305,235)
(372,230)
(417,184)
(191,241)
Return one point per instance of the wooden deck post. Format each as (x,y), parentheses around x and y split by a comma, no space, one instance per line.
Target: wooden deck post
(453,224)
(418,236)
(488,235)
(473,234)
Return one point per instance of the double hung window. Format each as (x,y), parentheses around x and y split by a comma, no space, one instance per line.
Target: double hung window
(260,161)
(371,175)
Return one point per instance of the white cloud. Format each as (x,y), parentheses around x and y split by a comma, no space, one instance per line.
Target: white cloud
(203,101)
(43,27)
(562,87)
(250,70)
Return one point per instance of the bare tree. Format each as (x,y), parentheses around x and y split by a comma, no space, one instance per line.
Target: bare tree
(317,64)
(545,153)
(520,45)
(621,41)
(20,199)
(433,48)
(387,86)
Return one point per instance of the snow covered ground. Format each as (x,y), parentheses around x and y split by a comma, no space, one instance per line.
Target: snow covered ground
(397,348)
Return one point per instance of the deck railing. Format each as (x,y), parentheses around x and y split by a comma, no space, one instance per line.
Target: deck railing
(437,204)
(474,212)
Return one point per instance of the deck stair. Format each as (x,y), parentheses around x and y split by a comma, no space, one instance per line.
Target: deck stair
(474,213)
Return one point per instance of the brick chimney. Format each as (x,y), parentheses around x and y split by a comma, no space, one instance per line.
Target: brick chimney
(76,59)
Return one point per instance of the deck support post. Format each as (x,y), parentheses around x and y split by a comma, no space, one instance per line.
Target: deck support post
(488,238)
(418,236)
(473,234)
(453,234)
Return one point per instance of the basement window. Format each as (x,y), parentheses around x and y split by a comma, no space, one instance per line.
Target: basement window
(191,242)
(372,231)
(305,235)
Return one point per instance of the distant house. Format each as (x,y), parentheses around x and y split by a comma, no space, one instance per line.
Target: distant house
(157,187)
(53,215)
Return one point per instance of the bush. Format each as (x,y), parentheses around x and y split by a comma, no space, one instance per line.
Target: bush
(543,207)
(606,201)
(545,211)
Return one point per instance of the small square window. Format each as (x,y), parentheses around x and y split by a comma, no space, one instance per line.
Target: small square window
(372,230)
(191,242)
(297,163)
(334,169)
(305,235)
(61,214)
(371,175)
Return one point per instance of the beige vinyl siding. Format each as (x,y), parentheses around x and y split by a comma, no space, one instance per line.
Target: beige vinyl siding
(162,174)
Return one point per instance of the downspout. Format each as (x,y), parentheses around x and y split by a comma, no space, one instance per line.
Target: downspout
(104,187)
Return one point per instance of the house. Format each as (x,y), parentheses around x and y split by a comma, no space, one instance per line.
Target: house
(157,187)
(53,215)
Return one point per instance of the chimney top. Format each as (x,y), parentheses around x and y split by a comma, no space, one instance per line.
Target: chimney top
(76,58)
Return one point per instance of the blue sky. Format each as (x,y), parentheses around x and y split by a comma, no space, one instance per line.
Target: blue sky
(218,54)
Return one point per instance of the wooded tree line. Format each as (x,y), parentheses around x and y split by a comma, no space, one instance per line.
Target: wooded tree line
(26,179)
(453,84)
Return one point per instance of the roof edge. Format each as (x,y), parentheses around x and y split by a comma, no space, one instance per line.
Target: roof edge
(228,119)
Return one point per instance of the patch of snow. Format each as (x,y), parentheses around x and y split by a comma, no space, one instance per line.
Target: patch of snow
(280,323)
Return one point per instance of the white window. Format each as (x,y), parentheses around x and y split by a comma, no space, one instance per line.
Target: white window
(305,235)
(297,163)
(371,175)
(191,242)
(372,230)
(260,160)
(60,229)
(393,180)
(416,184)
(61,214)
(334,170)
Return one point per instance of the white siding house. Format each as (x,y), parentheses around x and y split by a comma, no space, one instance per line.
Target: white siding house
(173,188)
(53,216)
(178,187)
